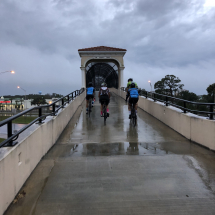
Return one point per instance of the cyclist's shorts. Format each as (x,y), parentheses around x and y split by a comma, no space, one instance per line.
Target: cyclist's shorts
(89,96)
(104,98)
(133,100)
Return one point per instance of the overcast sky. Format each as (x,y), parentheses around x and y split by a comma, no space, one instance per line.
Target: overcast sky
(39,39)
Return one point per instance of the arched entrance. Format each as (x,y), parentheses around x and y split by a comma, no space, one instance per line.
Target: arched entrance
(99,72)
(102,64)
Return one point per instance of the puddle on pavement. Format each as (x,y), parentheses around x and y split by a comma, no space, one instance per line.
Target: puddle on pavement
(138,148)
(125,148)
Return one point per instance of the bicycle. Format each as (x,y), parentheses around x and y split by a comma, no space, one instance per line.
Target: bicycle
(105,111)
(89,106)
(133,119)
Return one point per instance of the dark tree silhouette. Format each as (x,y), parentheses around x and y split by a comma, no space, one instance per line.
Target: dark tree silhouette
(211,92)
(168,85)
(40,100)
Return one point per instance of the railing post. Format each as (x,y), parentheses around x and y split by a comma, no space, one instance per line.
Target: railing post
(9,132)
(75,93)
(53,108)
(166,101)
(146,94)
(185,106)
(62,101)
(72,96)
(40,114)
(154,97)
(211,110)
(68,98)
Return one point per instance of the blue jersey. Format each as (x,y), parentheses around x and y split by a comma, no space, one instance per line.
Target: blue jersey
(133,92)
(90,90)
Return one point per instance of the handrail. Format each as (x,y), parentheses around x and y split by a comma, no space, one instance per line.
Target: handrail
(12,137)
(168,100)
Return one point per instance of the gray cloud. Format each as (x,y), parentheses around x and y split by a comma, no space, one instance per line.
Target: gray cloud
(40,39)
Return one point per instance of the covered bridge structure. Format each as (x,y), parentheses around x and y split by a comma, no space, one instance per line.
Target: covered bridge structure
(102,64)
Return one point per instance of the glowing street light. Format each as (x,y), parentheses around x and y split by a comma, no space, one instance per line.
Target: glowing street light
(12,72)
(150,85)
(22,89)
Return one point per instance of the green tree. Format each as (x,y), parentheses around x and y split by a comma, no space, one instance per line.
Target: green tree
(40,100)
(211,93)
(186,95)
(56,95)
(168,85)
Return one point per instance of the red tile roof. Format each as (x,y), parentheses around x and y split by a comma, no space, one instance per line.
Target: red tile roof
(102,48)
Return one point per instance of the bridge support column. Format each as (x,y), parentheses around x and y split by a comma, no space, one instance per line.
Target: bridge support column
(83,73)
(121,84)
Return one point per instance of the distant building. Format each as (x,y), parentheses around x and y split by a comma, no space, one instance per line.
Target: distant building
(8,105)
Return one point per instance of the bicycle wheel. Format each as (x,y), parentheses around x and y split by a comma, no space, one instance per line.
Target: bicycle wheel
(105,113)
(89,106)
(133,115)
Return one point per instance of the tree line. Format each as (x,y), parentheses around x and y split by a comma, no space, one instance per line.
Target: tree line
(171,85)
(33,96)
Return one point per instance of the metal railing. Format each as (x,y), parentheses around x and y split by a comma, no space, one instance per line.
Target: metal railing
(12,137)
(184,105)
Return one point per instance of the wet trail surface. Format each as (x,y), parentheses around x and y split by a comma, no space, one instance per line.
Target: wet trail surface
(120,169)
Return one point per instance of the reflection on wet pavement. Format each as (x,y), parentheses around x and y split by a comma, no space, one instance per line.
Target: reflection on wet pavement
(108,149)
(120,169)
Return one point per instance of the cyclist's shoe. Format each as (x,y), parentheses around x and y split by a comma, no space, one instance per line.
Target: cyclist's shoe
(86,112)
(129,116)
(101,115)
(108,114)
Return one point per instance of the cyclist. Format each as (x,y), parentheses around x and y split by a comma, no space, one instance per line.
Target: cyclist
(104,95)
(129,80)
(133,97)
(90,94)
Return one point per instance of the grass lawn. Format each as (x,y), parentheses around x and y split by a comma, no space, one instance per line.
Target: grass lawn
(20,120)
(1,140)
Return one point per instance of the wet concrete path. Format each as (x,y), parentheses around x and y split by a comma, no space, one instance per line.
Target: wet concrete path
(118,169)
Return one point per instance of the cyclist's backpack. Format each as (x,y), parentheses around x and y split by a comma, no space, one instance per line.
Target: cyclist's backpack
(104,91)
(90,90)
(133,93)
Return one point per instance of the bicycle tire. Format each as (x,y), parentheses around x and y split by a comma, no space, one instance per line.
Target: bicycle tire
(105,113)
(89,107)
(133,115)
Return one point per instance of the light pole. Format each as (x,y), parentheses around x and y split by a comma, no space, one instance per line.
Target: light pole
(12,72)
(22,89)
(150,85)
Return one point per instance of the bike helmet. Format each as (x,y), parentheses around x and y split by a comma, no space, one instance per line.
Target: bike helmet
(132,85)
(130,79)
(104,85)
(90,84)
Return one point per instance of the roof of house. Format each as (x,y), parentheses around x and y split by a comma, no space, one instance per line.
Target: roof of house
(102,48)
